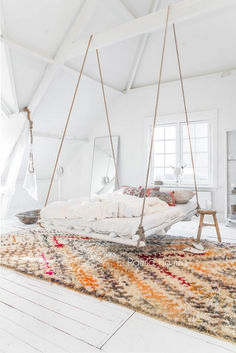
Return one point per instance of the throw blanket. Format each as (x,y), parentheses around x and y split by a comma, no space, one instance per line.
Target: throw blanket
(104,206)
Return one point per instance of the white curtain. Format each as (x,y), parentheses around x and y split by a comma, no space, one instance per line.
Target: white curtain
(11,166)
(10,130)
(14,163)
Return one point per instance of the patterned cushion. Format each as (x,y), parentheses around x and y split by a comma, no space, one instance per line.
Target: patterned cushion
(139,191)
(168,197)
(134,191)
(152,192)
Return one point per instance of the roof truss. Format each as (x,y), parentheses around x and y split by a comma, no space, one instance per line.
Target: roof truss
(4,105)
(147,24)
(140,51)
(31,52)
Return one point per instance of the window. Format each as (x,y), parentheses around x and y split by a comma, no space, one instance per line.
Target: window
(200,140)
(165,146)
(171,149)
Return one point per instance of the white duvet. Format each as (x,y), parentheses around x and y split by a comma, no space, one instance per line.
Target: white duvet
(104,206)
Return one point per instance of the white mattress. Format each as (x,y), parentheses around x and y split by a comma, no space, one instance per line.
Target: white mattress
(126,228)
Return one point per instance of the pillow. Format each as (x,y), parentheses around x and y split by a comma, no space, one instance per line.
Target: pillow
(183,196)
(168,197)
(134,191)
(139,191)
(151,191)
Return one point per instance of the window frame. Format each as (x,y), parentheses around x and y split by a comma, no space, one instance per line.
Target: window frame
(209,116)
(165,140)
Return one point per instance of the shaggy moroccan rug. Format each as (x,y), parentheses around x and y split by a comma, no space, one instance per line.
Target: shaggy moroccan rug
(162,280)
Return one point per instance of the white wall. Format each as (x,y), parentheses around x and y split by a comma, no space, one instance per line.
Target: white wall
(127,116)
(129,113)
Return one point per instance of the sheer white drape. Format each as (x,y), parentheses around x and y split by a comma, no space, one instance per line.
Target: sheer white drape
(13,164)
(10,166)
(10,130)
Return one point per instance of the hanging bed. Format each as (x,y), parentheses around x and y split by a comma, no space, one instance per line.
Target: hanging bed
(117,216)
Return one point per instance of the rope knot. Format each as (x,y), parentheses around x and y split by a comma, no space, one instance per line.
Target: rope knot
(141,234)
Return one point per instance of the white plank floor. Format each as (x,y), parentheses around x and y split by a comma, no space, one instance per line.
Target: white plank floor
(38,316)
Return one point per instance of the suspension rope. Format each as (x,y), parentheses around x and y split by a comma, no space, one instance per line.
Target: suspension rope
(108,120)
(186,116)
(67,121)
(26,109)
(140,230)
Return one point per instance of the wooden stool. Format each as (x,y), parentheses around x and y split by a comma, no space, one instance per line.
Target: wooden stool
(202,224)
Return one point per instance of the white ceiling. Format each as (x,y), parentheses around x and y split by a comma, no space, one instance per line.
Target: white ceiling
(116,62)
(206,45)
(28,73)
(52,112)
(39,24)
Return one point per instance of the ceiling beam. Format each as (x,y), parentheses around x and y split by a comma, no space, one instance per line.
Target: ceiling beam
(147,24)
(25,50)
(79,24)
(226,72)
(140,51)
(28,51)
(15,108)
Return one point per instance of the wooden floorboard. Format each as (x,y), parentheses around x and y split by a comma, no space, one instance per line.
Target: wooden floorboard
(63,341)
(56,319)
(81,316)
(26,335)
(143,334)
(60,311)
(11,344)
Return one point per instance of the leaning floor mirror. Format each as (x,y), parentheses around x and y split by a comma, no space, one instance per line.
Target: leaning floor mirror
(103,169)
